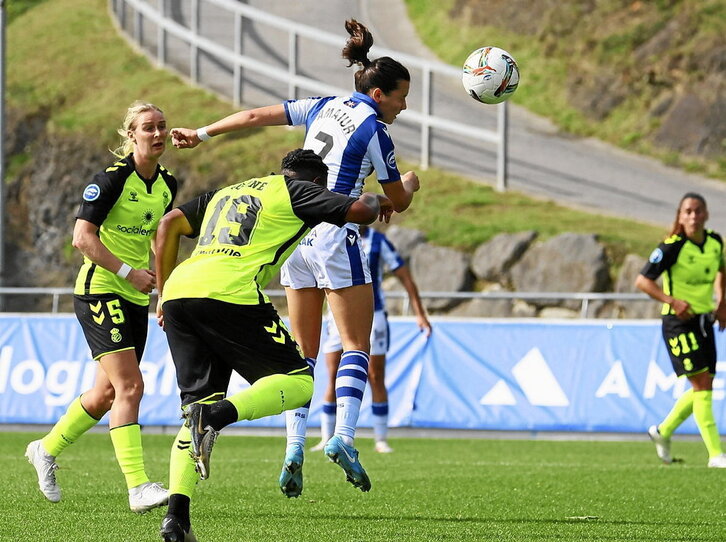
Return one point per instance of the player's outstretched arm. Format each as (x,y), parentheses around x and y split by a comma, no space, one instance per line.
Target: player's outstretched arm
(271,115)
(403,274)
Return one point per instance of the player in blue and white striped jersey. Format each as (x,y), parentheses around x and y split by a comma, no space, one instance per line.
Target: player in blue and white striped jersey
(349,133)
(382,256)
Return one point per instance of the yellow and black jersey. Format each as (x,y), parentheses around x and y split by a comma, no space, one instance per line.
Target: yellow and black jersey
(689,270)
(127,209)
(246,232)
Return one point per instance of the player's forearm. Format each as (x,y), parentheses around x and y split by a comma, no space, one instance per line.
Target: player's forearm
(261,116)
(650,287)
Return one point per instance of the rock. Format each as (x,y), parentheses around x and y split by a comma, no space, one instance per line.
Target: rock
(566,263)
(492,260)
(440,269)
(405,240)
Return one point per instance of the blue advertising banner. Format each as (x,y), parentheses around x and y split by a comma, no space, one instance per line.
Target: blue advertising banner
(536,375)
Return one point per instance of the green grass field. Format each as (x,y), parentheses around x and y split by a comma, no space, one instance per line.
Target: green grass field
(447,489)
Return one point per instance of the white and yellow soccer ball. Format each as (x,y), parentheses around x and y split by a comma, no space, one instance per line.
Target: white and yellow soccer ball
(490,75)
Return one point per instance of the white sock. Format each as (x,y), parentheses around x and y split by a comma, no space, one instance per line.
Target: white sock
(380,421)
(297,423)
(327,421)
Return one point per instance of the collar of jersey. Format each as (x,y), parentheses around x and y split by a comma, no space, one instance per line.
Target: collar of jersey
(367,99)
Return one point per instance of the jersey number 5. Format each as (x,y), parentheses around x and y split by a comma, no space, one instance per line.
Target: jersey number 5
(238,224)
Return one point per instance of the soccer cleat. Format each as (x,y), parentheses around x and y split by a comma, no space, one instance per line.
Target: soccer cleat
(319,447)
(147,496)
(347,457)
(172,531)
(382,447)
(203,437)
(45,466)
(717,462)
(662,444)
(291,477)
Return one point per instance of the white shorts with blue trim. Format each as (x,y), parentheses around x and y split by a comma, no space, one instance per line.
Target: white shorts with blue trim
(379,335)
(328,257)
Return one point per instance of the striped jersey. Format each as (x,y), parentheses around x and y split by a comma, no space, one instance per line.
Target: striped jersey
(689,270)
(346,133)
(246,232)
(127,209)
(381,255)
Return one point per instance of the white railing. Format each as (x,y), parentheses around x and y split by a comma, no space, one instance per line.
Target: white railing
(143,10)
(585,298)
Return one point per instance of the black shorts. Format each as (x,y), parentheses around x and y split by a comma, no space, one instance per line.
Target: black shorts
(691,344)
(111,323)
(209,339)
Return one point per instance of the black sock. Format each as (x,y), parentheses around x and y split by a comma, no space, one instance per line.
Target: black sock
(221,414)
(179,508)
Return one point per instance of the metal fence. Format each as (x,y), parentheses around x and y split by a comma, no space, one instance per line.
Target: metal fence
(171,32)
(585,300)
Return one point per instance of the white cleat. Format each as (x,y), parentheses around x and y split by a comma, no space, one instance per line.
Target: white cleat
(718,462)
(45,466)
(662,444)
(146,496)
(382,447)
(319,446)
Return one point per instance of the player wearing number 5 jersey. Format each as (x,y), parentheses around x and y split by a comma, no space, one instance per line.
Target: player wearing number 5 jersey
(350,133)
(217,317)
(115,229)
(692,264)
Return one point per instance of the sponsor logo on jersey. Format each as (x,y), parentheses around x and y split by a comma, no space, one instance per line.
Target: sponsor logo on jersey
(656,256)
(91,192)
(136,230)
(166,198)
(351,238)
(133,195)
(350,103)
(148,217)
(391,160)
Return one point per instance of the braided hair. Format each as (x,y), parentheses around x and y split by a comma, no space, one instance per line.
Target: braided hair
(383,73)
(304,164)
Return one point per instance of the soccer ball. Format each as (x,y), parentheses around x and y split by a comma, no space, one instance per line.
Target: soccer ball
(490,75)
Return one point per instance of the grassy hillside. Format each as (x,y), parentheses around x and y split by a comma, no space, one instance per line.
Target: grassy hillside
(82,76)
(647,76)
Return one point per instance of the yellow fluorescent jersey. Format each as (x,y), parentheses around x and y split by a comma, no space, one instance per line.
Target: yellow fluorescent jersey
(127,209)
(246,231)
(689,270)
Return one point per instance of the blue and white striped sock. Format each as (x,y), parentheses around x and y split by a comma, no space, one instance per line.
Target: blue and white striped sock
(380,420)
(350,383)
(327,421)
(296,420)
